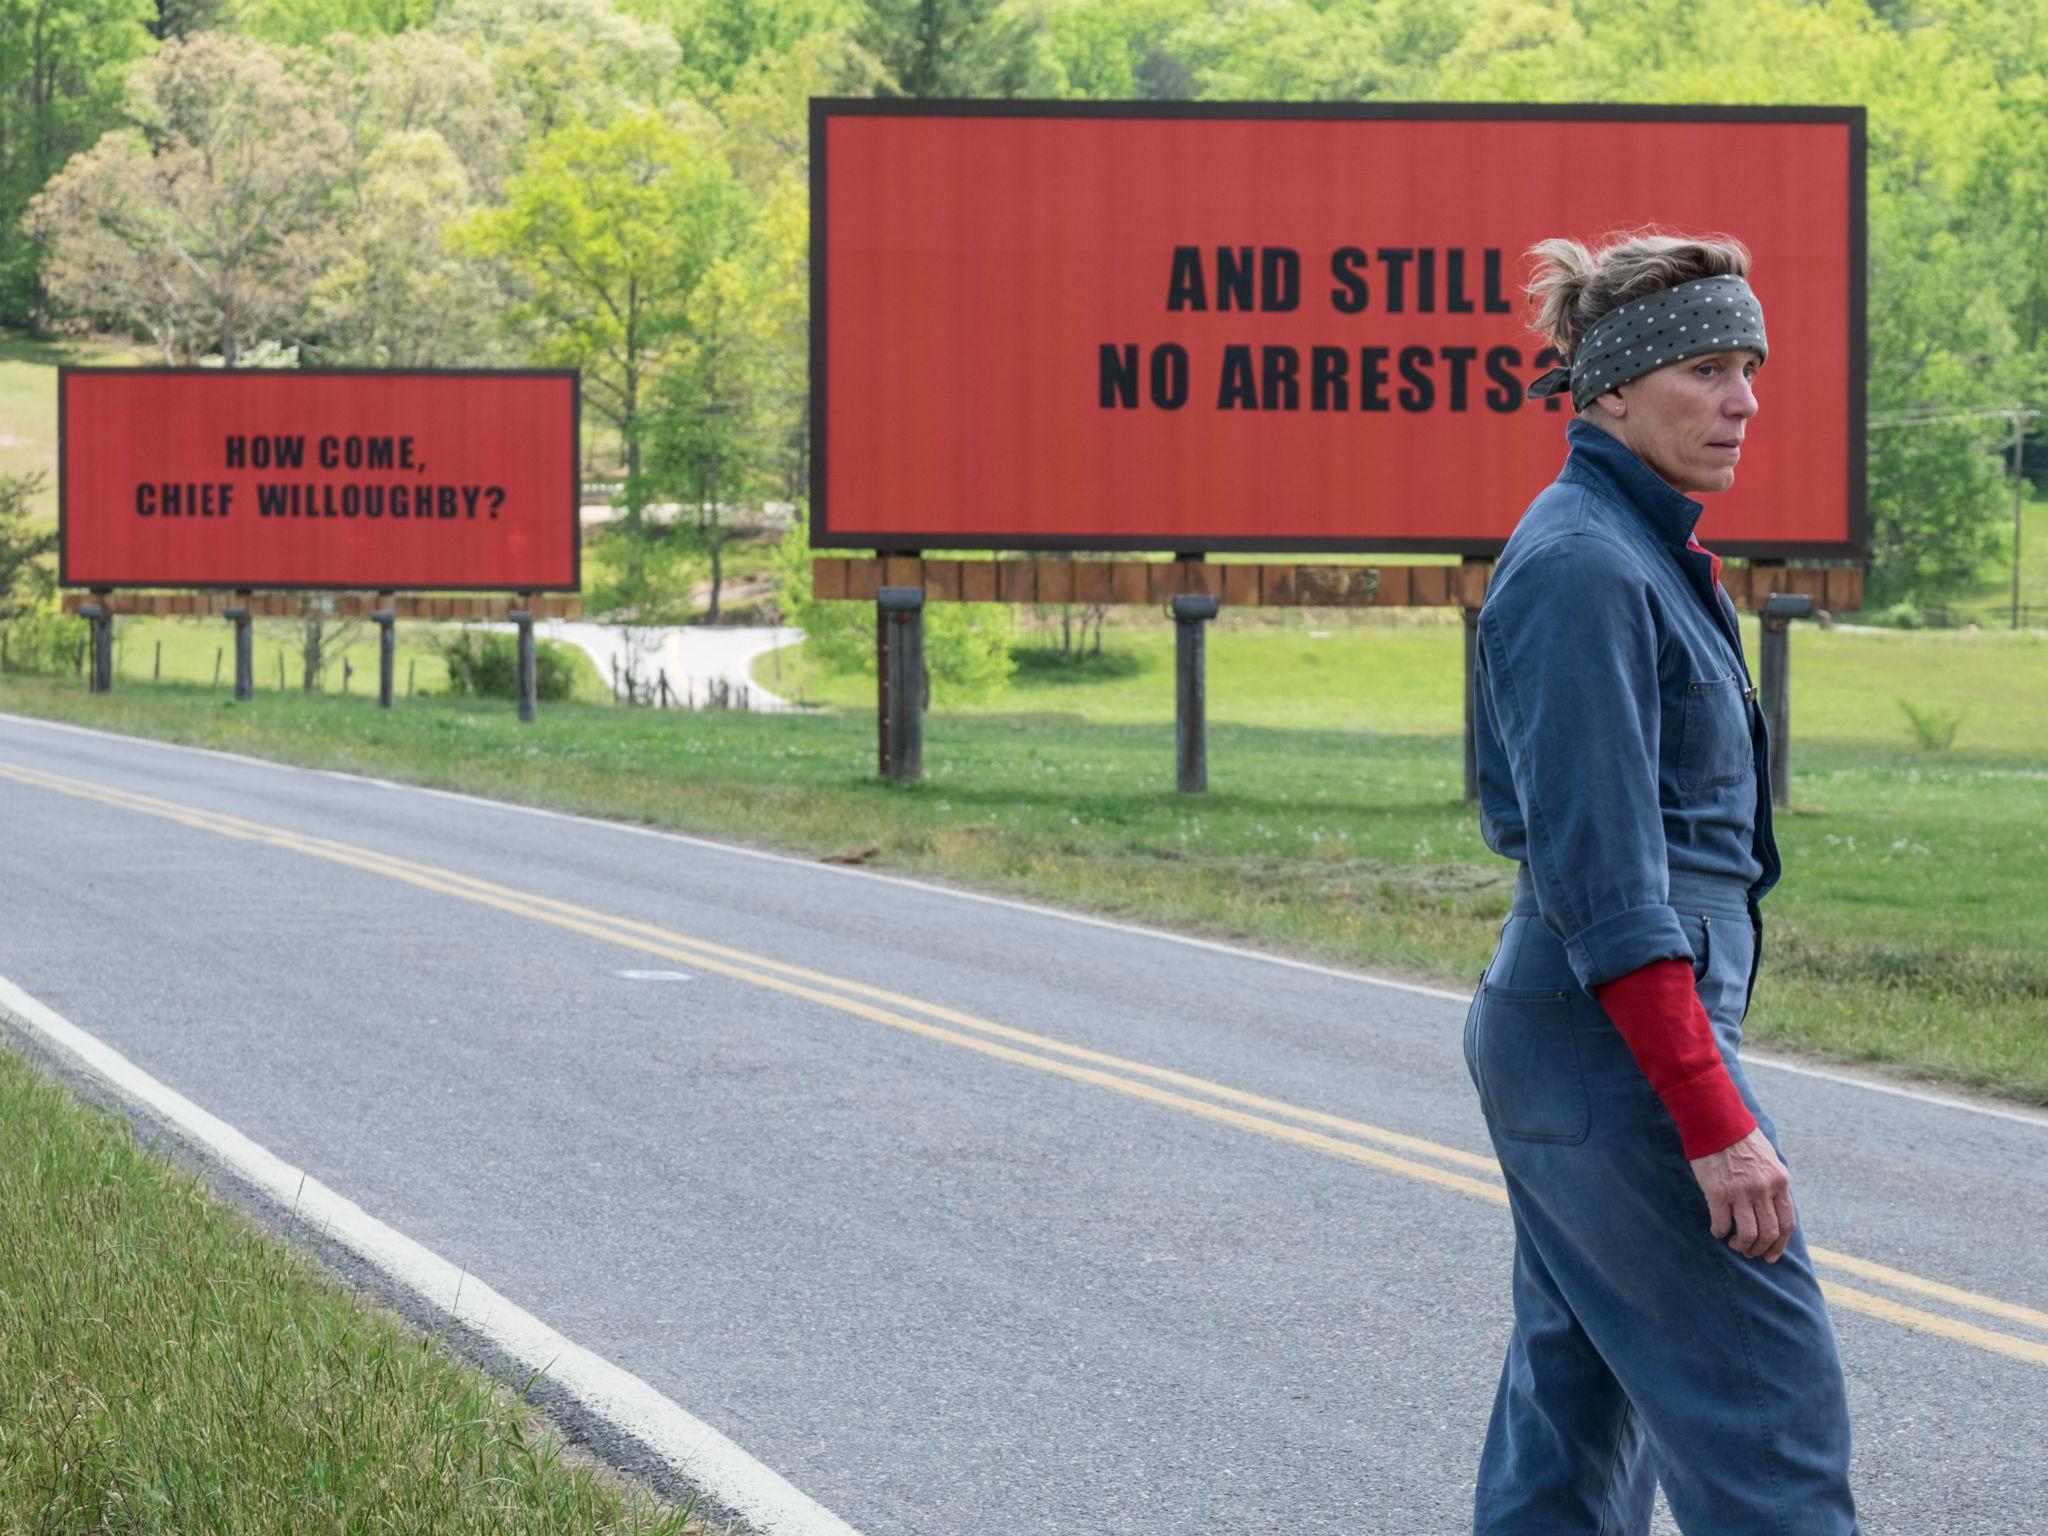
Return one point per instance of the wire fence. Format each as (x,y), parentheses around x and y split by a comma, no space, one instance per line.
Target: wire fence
(1984,616)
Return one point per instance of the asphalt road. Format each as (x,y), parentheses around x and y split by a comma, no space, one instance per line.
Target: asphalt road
(810,1182)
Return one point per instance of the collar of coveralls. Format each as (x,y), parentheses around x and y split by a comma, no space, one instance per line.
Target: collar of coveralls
(1604,459)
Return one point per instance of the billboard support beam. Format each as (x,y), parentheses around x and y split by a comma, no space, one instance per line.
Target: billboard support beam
(1191,691)
(899,675)
(1779,610)
(100,677)
(245,648)
(1469,591)
(387,646)
(523,617)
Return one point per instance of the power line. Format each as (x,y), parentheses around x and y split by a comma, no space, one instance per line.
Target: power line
(1932,418)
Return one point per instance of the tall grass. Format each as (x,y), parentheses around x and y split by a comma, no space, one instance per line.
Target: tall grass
(167,1368)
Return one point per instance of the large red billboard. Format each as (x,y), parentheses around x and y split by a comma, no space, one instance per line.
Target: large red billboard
(374,480)
(1267,327)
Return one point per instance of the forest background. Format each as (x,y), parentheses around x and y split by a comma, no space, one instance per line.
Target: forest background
(621,186)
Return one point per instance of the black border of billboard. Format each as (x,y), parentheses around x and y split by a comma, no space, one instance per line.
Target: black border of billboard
(824,108)
(573,375)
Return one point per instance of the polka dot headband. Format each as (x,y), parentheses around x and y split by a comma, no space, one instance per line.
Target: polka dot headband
(1712,314)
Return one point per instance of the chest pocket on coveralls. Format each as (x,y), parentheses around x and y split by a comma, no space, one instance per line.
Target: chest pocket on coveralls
(1713,738)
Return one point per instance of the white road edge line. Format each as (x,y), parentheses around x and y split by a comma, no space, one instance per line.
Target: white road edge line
(1897,1091)
(703,1455)
(1213,946)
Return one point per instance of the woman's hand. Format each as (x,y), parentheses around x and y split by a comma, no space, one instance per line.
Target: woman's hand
(1749,1197)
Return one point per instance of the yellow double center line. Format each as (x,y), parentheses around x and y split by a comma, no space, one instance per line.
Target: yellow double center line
(1389,1151)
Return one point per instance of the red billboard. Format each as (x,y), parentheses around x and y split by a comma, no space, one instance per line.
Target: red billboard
(372,480)
(1273,327)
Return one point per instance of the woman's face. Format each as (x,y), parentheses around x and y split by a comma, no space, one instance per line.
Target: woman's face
(1686,420)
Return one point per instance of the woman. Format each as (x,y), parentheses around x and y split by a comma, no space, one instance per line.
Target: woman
(1668,1326)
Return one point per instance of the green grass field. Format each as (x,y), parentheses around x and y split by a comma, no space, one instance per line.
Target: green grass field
(166,1368)
(1990,597)
(1909,929)
(1327,671)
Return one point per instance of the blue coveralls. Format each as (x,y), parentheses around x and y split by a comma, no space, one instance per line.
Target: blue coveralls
(1622,763)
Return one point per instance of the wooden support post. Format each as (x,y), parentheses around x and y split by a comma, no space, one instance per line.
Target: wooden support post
(386,616)
(1191,691)
(2019,503)
(1467,589)
(1471,705)
(899,690)
(99,613)
(523,617)
(1779,610)
(245,647)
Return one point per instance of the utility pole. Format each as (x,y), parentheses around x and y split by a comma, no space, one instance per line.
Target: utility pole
(2019,496)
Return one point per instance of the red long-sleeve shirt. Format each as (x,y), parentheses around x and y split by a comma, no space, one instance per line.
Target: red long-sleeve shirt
(1658,1011)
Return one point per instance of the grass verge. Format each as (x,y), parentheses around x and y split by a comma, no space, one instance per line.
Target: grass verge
(1909,929)
(166,1367)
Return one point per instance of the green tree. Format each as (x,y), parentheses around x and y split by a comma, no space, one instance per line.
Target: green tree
(204,224)
(766,114)
(427,139)
(607,229)
(708,436)
(61,63)
(1125,49)
(562,61)
(718,39)
(308,23)
(181,18)
(34,636)
(782,248)
(957,47)
(397,296)
(26,579)
(765,118)
(421,81)
(643,578)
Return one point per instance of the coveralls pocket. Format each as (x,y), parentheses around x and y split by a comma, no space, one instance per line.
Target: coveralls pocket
(1526,1062)
(1713,742)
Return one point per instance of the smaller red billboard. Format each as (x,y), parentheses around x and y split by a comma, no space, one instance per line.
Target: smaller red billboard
(377,480)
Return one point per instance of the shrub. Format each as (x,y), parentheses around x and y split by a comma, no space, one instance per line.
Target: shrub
(967,646)
(484,663)
(43,642)
(1933,730)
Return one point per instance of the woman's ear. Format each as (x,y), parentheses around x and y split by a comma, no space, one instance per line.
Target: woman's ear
(1613,404)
